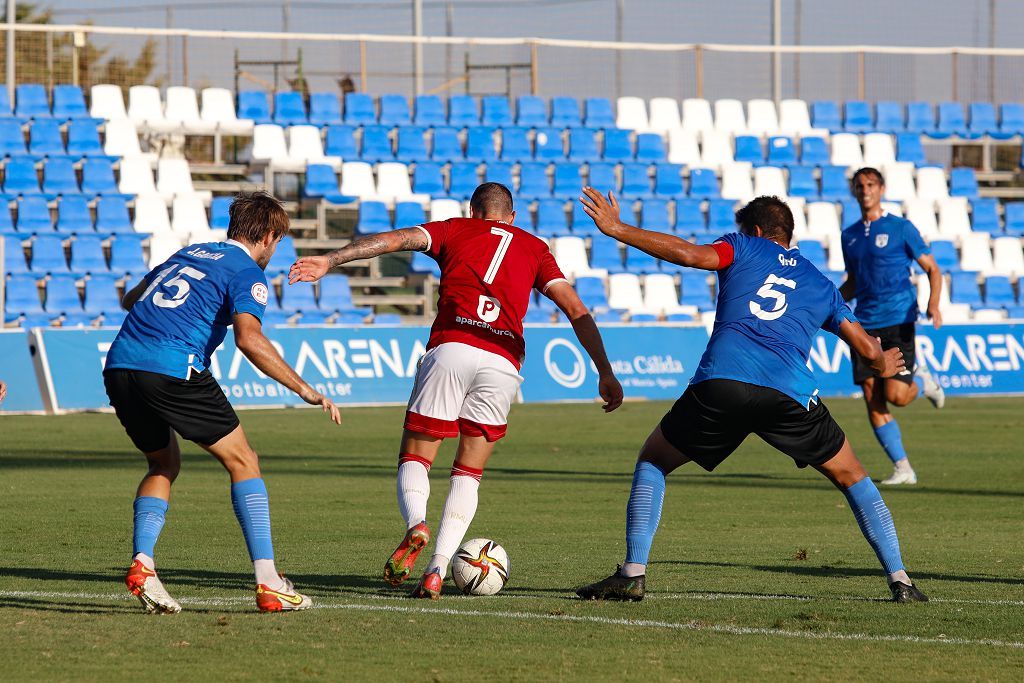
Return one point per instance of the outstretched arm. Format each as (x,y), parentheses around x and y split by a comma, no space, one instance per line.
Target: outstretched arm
(605,213)
(251,341)
(133,294)
(312,268)
(934,273)
(885,363)
(565,297)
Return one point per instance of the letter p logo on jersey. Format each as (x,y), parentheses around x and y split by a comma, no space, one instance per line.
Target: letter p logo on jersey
(488,309)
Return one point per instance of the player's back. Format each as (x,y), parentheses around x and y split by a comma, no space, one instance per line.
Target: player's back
(183,314)
(771,303)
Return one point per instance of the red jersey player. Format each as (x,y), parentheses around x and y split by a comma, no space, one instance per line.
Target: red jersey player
(469,375)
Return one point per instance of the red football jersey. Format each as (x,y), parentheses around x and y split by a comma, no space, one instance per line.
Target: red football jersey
(488,271)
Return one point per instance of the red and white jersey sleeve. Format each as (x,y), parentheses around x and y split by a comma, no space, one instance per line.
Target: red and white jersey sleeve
(488,272)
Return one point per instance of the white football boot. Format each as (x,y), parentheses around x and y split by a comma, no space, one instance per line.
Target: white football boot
(143,583)
(903,473)
(932,391)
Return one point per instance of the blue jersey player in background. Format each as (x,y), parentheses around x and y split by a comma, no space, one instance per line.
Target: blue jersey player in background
(752,379)
(879,250)
(158,380)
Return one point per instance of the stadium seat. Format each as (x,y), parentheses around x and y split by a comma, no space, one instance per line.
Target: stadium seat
(689,217)
(624,293)
(34,215)
(480,144)
(879,150)
(499,172)
(84,139)
(69,102)
(834,184)
(583,145)
(999,292)
(636,181)
(571,256)
(650,147)
(218,108)
(533,181)
(823,221)
(393,183)
(963,183)
(581,224)
(394,110)
(975,254)
(781,151)
(284,256)
(463,111)
(703,183)
(814,151)
(695,291)
(909,148)
(31,101)
(605,254)
(964,289)
(359,109)
(825,115)
(146,110)
(737,183)
(45,139)
(162,245)
(188,219)
(762,118)
(952,121)
(62,295)
(889,117)
(48,254)
(497,111)
(551,218)
(87,255)
(617,145)
(921,118)
(813,251)
(748,149)
(515,145)
(427,180)
(73,215)
(12,140)
(101,295)
(324,109)
(697,116)
(846,150)
(22,297)
(565,112)
(220,207)
(640,262)
(599,113)
(601,177)
(412,145)
(945,255)
(859,117)
(664,115)
(716,149)
(1011,121)
(463,179)
(376,144)
(107,102)
(794,119)
(899,182)
(59,178)
(654,215)
(174,178)
(136,177)
(321,182)
(254,105)
(729,117)
(953,219)
(1007,257)
(112,216)
(408,214)
(126,256)
(14,255)
(182,111)
(721,215)
(341,142)
(122,140)
(668,181)
(931,183)
(336,295)
(568,180)
(423,264)
(289,109)
(631,113)
(549,145)
(429,111)
(531,112)
(151,214)
(592,292)
(802,182)
(682,147)
(20,177)
(983,121)
(98,177)
(444,209)
(445,144)
(769,181)
(921,212)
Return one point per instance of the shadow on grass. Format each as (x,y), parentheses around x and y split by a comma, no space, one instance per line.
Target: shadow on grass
(64,606)
(846,572)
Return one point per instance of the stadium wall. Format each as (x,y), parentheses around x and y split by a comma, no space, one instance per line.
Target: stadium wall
(60,370)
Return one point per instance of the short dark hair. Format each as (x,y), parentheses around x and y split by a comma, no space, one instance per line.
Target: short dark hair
(771,214)
(253,214)
(868,170)
(491,199)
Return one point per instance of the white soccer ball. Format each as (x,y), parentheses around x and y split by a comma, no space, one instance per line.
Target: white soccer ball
(480,567)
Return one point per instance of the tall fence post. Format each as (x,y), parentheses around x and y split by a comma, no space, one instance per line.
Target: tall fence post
(11,4)
(955,75)
(184,60)
(78,42)
(698,65)
(49,61)
(861,77)
(534,70)
(362,65)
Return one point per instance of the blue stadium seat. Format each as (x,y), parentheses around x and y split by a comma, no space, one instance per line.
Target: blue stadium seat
(964,289)
(87,255)
(126,256)
(945,255)
(515,144)
(548,144)
(721,215)
(359,109)
(412,144)
(605,254)
(643,318)
(220,207)
(814,252)
(463,179)
(703,183)
(387,319)
(321,181)
(20,177)
(480,144)
(983,121)
(463,111)
(582,224)
(31,102)
(341,142)
(617,145)
(608,317)
(952,121)
(601,177)
(550,220)
(408,214)
(12,140)
(69,102)
(537,315)
(427,179)
(59,177)
(748,148)
(834,185)
(324,109)
(445,145)
(668,181)
(101,296)
(112,216)
(695,291)
(31,320)
(34,215)
(583,145)
(640,262)
(423,264)
(565,112)
(5,102)
(6,224)
(533,181)
(814,152)
(373,218)
(654,215)
(14,255)
(689,217)
(781,151)
(921,118)
(22,297)
(299,297)
(499,172)
(987,220)
(650,147)
(430,111)
(802,182)
(73,215)
(531,111)
(44,138)
(963,182)
(98,177)
(289,109)
(999,292)
(336,295)
(599,113)
(48,254)
(84,138)
(62,295)
(376,144)
(849,211)
(889,117)
(568,180)
(350,318)
(253,104)
(825,114)
(394,110)
(1011,121)
(283,258)
(909,148)
(859,118)
(636,181)
(497,111)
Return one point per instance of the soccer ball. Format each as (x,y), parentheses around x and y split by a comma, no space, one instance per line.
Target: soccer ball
(480,567)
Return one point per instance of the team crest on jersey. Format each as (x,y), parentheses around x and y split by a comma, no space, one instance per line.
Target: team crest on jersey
(488,309)
(881,241)
(260,293)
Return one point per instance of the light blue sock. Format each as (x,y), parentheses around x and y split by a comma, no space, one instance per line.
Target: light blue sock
(892,441)
(252,508)
(875,523)
(643,512)
(150,514)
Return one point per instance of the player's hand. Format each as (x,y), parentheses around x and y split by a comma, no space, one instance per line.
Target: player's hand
(936,316)
(611,392)
(893,362)
(3,391)
(315,398)
(308,269)
(605,212)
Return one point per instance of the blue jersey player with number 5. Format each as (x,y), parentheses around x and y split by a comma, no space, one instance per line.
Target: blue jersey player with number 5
(752,379)
(158,380)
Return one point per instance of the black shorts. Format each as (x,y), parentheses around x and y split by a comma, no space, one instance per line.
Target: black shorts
(711,419)
(894,336)
(149,405)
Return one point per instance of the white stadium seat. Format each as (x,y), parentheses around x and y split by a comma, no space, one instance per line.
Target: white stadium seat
(107,102)
(798,206)
(393,184)
(661,297)
(151,214)
(631,114)
(571,257)
(664,115)
(823,221)
(762,119)
(879,150)
(736,182)
(174,178)
(989,315)
(846,150)
(729,117)
(219,109)
(975,254)
(443,209)
(305,143)
(835,262)
(794,119)
(183,109)
(162,246)
(136,176)
(624,293)
(950,312)
(269,146)
(122,140)
(899,181)
(716,149)
(682,147)
(357,180)
(697,115)
(931,183)
(921,212)
(769,180)
(1007,257)
(893,208)
(146,109)
(188,218)
(953,218)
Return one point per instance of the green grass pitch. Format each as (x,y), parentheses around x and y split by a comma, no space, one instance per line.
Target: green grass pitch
(758,569)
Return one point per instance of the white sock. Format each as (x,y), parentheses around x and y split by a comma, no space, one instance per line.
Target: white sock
(904,465)
(266,573)
(900,576)
(459,509)
(438,564)
(413,488)
(633,569)
(146,560)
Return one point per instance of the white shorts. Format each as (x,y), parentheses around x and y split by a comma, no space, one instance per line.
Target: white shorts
(462,389)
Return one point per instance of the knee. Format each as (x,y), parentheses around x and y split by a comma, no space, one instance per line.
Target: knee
(165,468)
(242,463)
(901,394)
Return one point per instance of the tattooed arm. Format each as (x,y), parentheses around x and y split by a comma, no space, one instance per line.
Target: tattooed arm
(312,268)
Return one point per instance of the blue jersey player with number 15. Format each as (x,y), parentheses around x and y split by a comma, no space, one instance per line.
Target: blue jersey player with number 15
(752,379)
(158,380)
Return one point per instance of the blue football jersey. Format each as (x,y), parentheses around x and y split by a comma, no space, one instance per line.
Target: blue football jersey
(771,303)
(184,313)
(879,255)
